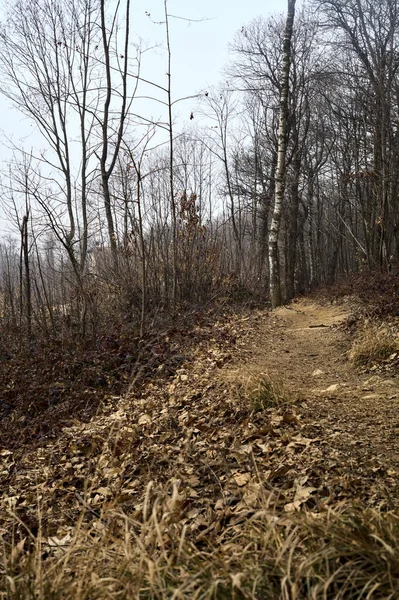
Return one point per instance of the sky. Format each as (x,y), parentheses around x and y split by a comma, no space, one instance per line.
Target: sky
(199,49)
(200,33)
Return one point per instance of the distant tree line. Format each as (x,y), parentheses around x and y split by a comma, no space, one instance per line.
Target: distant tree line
(122,217)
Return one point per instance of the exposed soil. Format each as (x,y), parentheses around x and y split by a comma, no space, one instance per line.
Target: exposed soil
(354,416)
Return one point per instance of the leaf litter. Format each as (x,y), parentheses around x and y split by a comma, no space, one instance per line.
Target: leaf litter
(203,427)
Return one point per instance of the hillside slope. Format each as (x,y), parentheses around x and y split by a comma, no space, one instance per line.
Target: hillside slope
(263,422)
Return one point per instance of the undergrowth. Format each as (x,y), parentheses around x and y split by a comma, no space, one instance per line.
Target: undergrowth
(377,292)
(373,345)
(168,543)
(374,321)
(262,555)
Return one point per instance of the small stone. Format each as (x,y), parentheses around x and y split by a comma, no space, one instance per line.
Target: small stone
(317,373)
(372,381)
(331,388)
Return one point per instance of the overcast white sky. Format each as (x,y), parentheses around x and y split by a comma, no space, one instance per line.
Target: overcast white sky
(199,49)
(199,52)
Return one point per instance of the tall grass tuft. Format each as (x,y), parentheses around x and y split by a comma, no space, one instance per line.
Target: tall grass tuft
(374,345)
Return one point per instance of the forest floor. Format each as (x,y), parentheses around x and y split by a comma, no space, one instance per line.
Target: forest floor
(349,416)
(252,413)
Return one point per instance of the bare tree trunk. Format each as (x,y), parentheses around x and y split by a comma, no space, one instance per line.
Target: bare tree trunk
(293,230)
(108,126)
(27,283)
(275,280)
(171,162)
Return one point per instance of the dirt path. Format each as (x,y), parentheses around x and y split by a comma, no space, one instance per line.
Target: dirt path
(353,418)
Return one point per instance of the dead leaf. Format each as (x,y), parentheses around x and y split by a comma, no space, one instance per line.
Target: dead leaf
(290,417)
(302,494)
(266,448)
(300,440)
(16,551)
(144,419)
(220,503)
(241,479)
(55,542)
(104,491)
(193,480)
(292,506)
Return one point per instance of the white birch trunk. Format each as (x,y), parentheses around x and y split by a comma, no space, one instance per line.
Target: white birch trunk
(275,281)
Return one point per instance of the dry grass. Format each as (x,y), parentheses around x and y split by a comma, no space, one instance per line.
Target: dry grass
(254,388)
(162,545)
(375,344)
(263,555)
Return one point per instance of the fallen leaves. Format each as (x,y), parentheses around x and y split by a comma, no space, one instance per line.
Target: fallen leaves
(197,428)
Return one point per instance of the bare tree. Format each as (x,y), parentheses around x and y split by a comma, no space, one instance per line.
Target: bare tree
(275,278)
(63,68)
(221,109)
(369,41)
(113,118)
(44,59)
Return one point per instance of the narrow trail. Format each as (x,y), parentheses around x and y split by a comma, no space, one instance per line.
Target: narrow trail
(353,416)
(308,341)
